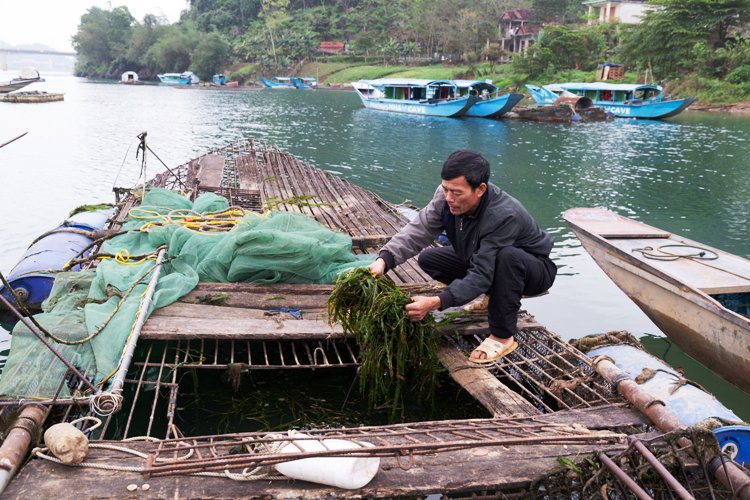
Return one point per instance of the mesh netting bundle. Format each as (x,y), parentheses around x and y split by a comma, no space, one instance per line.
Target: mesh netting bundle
(280,247)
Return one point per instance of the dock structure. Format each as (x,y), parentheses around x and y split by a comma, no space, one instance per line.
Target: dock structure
(545,402)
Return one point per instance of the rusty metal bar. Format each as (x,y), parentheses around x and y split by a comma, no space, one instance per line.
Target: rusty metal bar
(138,390)
(394,440)
(727,473)
(623,478)
(660,469)
(25,428)
(186,465)
(156,392)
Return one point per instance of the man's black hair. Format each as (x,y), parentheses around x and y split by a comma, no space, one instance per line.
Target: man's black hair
(469,164)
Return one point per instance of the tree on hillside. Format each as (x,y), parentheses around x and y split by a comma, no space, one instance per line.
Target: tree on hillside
(210,56)
(143,37)
(557,11)
(563,47)
(273,13)
(231,17)
(102,37)
(171,53)
(666,38)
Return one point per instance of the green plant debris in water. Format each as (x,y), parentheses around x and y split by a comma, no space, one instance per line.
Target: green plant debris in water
(89,208)
(394,351)
(214,299)
(298,201)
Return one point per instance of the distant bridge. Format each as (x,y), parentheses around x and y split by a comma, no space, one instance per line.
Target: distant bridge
(4,54)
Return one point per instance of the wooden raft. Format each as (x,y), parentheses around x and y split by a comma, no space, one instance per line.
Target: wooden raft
(488,469)
(229,312)
(260,178)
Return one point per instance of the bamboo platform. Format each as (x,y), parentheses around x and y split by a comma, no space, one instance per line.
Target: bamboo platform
(543,401)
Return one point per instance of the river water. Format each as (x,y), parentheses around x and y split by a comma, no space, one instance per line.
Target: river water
(688,175)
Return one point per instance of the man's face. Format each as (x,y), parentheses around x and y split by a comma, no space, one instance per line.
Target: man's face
(462,199)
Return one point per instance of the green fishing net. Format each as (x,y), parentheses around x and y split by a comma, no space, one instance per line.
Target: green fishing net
(280,247)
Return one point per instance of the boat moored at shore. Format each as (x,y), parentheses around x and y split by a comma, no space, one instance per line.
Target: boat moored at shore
(130,78)
(697,295)
(184,78)
(26,77)
(414,96)
(289,82)
(621,99)
(491,103)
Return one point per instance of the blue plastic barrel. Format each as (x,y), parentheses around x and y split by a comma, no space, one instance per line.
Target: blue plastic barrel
(734,441)
(31,277)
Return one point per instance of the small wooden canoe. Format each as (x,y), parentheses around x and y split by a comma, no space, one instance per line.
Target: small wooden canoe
(697,295)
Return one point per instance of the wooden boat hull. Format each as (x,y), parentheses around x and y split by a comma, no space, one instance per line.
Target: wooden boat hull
(559,114)
(16,84)
(494,108)
(701,326)
(449,109)
(650,110)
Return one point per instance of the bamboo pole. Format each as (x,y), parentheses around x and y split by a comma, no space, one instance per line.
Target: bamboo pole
(110,405)
(12,140)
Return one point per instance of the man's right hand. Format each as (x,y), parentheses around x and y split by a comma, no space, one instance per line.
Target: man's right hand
(377,268)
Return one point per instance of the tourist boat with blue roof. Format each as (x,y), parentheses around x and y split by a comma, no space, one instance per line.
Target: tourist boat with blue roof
(491,103)
(415,96)
(184,78)
(621,99)
(286,82)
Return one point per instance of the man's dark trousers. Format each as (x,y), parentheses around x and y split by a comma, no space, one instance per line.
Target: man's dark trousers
(517,273)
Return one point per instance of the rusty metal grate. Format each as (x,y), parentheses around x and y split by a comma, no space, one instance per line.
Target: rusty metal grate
(549,372)
(262,355)
(401,441)
(152,386)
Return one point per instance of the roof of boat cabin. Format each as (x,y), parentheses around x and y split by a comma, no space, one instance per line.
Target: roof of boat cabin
(471,83)
(406,82)
(627,87)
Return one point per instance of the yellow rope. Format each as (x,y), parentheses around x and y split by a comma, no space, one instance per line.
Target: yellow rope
(209,222)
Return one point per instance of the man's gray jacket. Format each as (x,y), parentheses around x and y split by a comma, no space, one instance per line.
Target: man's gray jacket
(499,221)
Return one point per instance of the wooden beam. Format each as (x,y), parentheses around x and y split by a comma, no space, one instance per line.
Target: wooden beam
(210,173)
(273,296)
(186,310)
(165,327)
(499,400)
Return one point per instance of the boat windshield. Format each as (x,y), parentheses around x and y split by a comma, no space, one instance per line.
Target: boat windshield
(646,93)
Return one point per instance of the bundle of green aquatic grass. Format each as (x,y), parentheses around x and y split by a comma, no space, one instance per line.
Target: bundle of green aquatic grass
(394,351)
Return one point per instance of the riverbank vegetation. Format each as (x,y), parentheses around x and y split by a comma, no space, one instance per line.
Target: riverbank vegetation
(695,47)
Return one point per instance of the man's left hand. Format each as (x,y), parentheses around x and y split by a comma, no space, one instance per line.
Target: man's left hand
(420,306)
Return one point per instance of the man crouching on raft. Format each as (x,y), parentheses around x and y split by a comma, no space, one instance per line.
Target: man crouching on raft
(496,248)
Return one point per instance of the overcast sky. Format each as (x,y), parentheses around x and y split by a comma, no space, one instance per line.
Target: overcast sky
(54,22)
